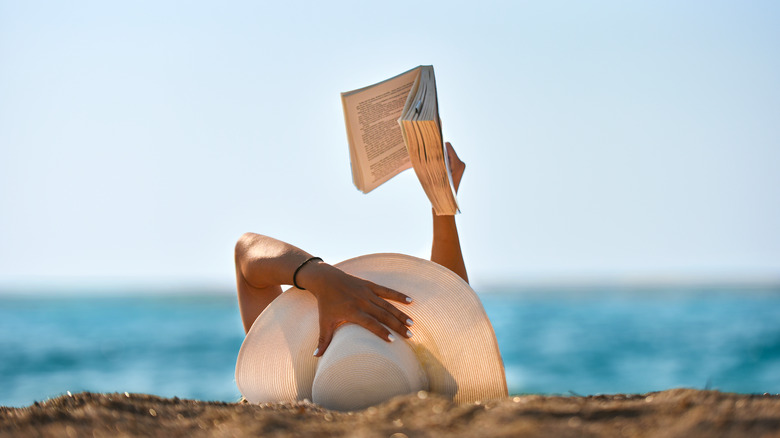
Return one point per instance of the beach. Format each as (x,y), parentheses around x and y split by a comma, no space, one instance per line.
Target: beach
(670,413)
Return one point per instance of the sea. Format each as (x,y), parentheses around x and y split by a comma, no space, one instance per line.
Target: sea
(553,340)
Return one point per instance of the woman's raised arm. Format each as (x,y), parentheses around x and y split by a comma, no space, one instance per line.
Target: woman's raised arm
(446,243)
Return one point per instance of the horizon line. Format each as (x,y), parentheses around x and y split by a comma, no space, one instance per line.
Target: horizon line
(209,286)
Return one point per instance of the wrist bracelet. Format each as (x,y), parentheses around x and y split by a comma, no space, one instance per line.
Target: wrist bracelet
(295,274)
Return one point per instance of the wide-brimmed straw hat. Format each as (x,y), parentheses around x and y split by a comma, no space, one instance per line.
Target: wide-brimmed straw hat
(453,351)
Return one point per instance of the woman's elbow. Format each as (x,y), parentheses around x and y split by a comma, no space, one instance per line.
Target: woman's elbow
(242,245)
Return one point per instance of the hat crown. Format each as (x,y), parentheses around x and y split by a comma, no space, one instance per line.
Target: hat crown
(359,370)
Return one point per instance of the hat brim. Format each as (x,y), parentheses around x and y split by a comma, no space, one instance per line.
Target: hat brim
(453,337)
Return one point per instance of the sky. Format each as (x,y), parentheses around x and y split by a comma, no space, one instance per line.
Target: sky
(603,140)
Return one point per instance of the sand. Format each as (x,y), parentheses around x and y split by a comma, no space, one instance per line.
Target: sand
(673,413)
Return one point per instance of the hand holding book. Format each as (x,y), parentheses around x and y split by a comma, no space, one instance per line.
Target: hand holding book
(394,125)
(457,167)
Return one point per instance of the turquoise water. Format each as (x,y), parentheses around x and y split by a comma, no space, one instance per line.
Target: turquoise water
(582,341)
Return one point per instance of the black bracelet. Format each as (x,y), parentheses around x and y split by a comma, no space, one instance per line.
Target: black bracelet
(295,274)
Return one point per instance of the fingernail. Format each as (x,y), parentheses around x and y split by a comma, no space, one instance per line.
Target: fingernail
(408,299)
(317,350)
(408,334)
(390,337)
(409,322)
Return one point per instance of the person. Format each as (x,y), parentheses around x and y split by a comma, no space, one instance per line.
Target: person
(264,264)
(333,338)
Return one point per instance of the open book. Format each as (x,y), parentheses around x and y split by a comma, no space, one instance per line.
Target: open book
(394,125)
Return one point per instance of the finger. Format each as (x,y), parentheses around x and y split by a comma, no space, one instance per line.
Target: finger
(326,335)
(366,321)
(398,315)
(457,167)
(390,294)
(451,152)
(390,320)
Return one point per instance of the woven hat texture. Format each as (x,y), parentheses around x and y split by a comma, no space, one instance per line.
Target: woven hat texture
(453,351)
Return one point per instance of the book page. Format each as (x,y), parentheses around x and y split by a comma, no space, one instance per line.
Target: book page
(421,126)
(377,148)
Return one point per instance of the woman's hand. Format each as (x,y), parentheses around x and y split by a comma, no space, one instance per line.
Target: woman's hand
(457,167)
(446,243)
(343,298)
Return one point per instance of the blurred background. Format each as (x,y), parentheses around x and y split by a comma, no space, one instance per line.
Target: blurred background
(619,207)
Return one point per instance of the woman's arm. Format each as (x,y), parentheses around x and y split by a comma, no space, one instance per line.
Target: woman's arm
(263,264)
(446,243)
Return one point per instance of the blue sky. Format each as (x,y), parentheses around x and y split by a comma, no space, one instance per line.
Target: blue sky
(619,140)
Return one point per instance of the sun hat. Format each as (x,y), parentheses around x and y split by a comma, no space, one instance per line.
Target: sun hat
(453,351)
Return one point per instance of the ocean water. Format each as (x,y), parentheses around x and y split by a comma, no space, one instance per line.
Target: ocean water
(573,341)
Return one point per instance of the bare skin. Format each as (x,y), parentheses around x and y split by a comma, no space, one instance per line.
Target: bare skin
(264,264)
(446,243)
